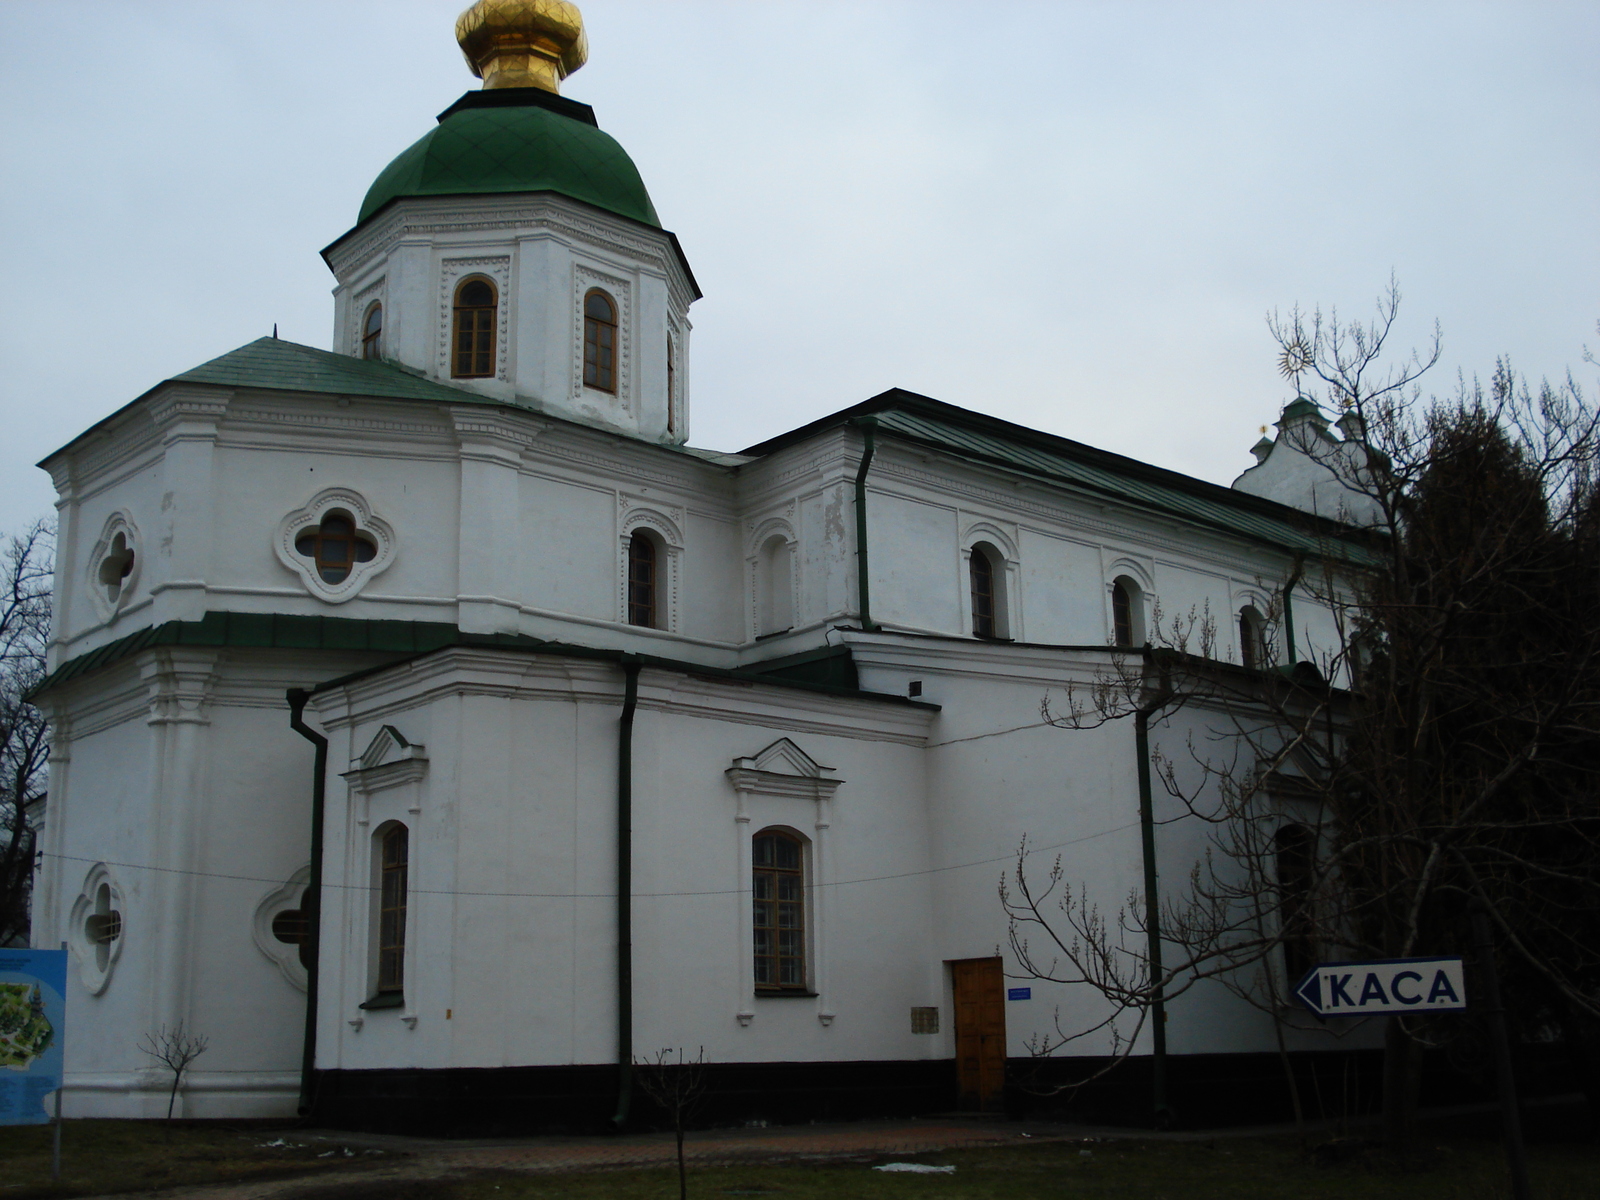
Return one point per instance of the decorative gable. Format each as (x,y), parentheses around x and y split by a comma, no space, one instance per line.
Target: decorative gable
(783,769)
(388,760)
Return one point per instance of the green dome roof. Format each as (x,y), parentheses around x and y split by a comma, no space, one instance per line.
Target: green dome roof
(489,143)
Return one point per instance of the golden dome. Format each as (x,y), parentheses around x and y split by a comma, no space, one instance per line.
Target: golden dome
(523,43)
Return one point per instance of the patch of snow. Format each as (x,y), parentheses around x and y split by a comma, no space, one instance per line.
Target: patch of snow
(916,1168)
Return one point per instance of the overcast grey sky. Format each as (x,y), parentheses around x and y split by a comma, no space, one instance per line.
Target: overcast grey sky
(1071,215)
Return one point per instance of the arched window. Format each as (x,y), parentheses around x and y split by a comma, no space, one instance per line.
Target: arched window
(372,332)
(672,387)
(774,586)
(778,892)
(394,854)
(1127,612)
(1295,849)
(1252,638)
(472,356)
(600,342)
(335,547)
(642,589)
(986,583)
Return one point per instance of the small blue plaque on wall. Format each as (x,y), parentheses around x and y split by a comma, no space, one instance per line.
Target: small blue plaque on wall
(1019,993)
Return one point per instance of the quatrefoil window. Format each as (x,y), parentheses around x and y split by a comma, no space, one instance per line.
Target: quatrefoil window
(336,546)
(292,927)
(97,928)
(116,566)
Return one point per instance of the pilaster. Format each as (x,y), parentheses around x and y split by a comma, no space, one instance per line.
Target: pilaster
(490,536)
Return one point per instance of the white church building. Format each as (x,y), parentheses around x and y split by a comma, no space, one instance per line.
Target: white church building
(436,729)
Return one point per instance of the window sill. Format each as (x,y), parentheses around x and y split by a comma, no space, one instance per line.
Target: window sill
(788,995)
(385,1000)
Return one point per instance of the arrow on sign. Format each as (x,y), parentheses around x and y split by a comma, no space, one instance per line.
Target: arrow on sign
(1391,985)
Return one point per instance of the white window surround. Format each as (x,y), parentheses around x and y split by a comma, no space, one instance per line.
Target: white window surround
(111,596)
(496,269)
(282,899)
(385,788)
(667,528)
(1144,609)
(304,520)
(1008,617)
(96,962)
(360,302)
(756,545)
(1262,602)
(584,280)
(769,790)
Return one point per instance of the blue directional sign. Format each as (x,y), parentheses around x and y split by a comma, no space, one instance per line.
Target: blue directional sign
(1390,985)
(33,985)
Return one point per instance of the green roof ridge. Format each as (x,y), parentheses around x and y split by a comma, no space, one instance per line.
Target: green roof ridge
(280,365)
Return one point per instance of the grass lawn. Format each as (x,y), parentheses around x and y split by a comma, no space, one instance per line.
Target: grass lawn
(1233,1170)
(124,1156)
(109,1156)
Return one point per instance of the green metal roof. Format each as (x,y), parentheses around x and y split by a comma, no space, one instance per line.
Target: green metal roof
(529,147)
(290,367)
(983,438)
(831,671)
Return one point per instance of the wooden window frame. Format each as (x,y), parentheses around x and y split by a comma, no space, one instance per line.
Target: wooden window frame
(472,332)
(394,879)
(767,888)
(985,594)
(601,338)
(643,584)
(372,339)
(335,551)
(1123,598)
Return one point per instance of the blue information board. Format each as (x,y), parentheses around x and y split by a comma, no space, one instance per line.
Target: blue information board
(33,986)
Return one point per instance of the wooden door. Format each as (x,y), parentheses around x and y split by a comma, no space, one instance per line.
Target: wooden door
(980,1000)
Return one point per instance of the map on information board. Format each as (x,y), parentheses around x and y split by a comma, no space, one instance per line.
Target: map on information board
(33,984)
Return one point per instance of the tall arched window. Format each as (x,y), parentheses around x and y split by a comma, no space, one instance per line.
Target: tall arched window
(986,583)
(600,341)
(335,546)
(672,387)
(1127,615)
(472,353)
(1295,848)
(1252,638)
(372,332)
(774,586)
(778,892)
(394,865)
(642,588)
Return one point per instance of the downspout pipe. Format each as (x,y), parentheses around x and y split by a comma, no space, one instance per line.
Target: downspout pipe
(869,429)
(1288,606)
(1162,1110)
(308,1052)
(630,702)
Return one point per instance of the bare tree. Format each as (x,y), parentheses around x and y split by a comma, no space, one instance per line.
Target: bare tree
(175,1048)
(26,569)
(1442,746)
(677,1085)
